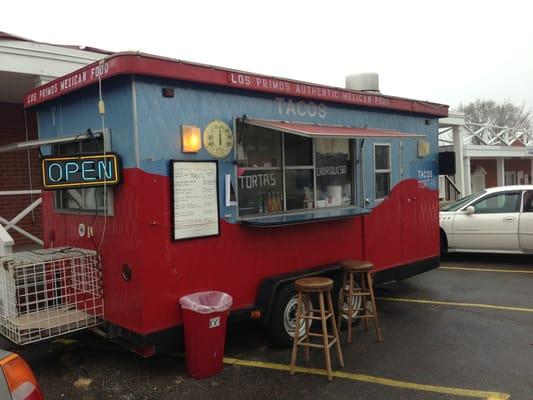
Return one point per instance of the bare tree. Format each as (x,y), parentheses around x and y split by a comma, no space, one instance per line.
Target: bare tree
(504,114)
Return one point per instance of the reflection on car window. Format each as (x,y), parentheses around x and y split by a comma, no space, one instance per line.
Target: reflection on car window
(498,203)
(461,202)
(528,202)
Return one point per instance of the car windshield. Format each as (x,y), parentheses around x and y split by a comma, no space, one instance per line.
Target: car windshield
(461,202)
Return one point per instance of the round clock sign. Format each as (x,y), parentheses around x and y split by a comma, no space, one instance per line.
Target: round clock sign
(218,139)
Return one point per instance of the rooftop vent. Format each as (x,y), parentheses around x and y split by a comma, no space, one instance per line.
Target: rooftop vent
(365,82)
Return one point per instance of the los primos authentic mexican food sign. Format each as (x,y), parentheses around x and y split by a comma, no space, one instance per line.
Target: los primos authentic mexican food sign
(68,172)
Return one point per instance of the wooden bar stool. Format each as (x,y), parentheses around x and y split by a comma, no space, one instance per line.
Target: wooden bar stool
(353,269)
(305,287)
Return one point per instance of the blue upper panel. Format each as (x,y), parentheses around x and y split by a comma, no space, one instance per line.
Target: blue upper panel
(136,112)
(77,112)
(160,118)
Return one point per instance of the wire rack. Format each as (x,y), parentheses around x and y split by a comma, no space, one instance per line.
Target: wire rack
(48,293)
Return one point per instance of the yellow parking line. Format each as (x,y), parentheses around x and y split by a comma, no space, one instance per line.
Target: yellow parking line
(374,379)
(509,271)
(451,303)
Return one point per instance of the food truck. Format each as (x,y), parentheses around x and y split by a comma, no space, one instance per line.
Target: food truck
(172,177)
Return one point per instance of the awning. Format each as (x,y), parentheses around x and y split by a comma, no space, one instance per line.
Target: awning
(311,130)
(32,144)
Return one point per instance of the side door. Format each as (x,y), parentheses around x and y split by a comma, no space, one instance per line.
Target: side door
(492,227)
(525,226)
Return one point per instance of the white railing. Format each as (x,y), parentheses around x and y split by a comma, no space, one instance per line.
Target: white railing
(451,189)
(6,241)
(488,135)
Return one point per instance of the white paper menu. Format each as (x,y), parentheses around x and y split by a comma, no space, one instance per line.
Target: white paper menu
(195,199)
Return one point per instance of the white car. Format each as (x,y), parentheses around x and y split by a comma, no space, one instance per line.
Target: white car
(497,220)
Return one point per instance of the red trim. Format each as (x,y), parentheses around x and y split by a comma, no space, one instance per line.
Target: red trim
(326,130)
(143,64)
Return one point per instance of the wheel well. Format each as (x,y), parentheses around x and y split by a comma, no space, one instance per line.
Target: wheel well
(270,286)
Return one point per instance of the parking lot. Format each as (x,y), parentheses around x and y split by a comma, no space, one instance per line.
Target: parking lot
(462,331)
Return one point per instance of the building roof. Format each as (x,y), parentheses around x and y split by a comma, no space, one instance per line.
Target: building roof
(27,63)
(137,63)
(5,35)
(9,36)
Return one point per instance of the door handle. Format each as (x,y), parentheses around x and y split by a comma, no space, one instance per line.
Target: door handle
(508,219)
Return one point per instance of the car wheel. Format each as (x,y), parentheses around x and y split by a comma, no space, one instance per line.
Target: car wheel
(283,320)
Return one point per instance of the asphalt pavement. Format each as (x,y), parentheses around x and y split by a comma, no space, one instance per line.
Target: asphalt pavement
(462,331)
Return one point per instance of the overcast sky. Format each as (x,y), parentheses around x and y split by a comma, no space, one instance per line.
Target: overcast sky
(445,51)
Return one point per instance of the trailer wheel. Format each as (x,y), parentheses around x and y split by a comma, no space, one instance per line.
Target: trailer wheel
(283,320)
(344,309)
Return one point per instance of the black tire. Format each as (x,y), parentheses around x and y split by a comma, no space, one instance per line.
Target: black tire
(284,307)
(443,245)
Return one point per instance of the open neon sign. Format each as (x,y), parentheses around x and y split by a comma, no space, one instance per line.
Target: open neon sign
(68,172)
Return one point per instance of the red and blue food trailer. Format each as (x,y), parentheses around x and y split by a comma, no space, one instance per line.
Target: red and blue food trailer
(188,177)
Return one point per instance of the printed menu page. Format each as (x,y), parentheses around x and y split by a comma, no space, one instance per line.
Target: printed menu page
(195,199)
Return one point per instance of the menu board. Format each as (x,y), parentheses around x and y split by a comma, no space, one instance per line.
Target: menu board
(195,199)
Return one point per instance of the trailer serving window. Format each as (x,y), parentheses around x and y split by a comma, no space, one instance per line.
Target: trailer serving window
(83,200)
(294,172)
(279,171)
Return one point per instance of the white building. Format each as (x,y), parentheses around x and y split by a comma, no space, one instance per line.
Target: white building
(25,64)
(485,155)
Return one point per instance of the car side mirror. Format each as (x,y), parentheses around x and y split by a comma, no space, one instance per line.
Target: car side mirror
(470,210)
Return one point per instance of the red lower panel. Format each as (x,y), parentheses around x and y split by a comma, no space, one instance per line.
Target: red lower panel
(404,228)
(236,261)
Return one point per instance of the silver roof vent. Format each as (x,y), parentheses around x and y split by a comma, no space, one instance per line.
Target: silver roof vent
(365,82)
